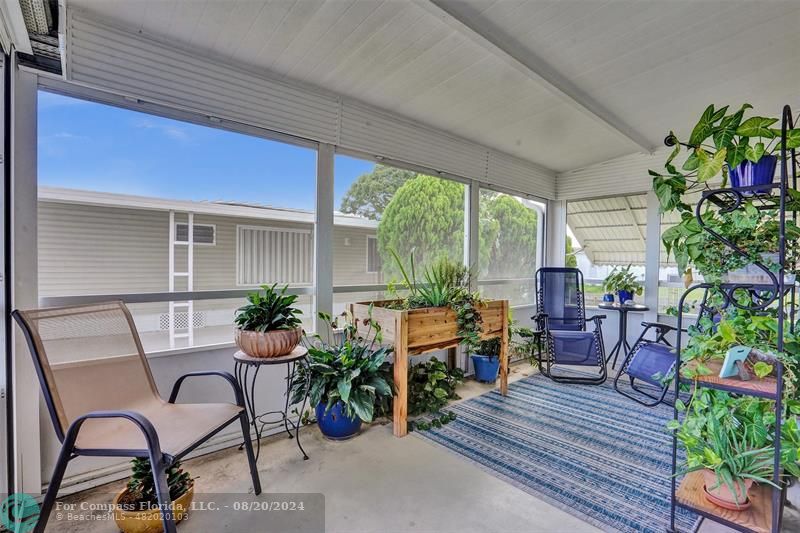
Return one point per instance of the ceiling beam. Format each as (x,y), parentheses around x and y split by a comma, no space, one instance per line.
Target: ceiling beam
(634,222)
(481,32)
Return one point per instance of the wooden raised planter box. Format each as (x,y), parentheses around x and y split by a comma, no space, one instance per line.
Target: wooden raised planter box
(418,331)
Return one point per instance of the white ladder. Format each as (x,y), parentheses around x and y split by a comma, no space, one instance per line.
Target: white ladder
(186,306)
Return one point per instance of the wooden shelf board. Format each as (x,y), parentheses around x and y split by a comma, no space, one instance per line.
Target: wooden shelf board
(758,518)
(767,387)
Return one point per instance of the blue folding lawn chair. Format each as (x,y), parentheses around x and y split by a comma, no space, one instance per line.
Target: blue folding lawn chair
(561,319)
(650,365)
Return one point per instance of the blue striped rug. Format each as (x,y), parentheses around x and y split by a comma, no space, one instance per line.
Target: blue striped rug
(585,449)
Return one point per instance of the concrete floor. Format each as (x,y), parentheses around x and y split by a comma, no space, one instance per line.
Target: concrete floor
(373,483)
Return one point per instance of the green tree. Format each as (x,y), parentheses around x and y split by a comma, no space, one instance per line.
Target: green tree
(369,195)
(425,215)
(512,248)
(571,260)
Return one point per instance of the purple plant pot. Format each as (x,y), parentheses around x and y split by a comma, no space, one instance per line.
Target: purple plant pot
(748,173)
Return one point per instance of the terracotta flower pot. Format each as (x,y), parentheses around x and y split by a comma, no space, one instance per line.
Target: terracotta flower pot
(721,495)
(149,521)
(269,344)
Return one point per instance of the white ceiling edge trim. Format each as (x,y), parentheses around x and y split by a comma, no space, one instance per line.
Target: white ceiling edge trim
(623,175)
(534,68)
(101,55)
(13,33)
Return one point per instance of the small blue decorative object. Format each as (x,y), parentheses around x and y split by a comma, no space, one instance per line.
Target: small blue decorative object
(608,297)
(624,296)
(735,355)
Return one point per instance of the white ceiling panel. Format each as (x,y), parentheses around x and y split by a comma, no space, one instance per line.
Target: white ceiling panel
(608,76)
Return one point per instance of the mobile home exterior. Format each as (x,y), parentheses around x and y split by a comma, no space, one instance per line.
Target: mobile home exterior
(105,243)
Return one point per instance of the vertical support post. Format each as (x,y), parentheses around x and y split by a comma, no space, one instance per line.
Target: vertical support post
(24,272)
(400,405)
(171,283)
(471,252)
(652,257)
(556,242)
(504,351)
(323,236)
(472,227)
(190,278)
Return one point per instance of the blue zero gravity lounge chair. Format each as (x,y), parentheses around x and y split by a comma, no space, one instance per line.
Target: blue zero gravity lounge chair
(561,317)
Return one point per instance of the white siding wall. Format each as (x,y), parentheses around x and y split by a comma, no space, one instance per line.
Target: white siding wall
(616,177)
(94,250)
(350,257)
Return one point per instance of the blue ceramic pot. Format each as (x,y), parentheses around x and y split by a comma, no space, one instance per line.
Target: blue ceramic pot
(486,368)
(748,173)
(335,424)
(608,298)
(624,296)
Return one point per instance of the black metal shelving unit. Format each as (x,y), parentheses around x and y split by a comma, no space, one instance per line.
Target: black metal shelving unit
(765,513)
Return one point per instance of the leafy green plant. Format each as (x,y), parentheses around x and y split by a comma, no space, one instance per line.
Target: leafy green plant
(141,495)
(354,371)
(447,284)
(753,230)
(733,436)
(489,347)
(622,279)
(439,420)
(719,141)
(431,385)
(268,310)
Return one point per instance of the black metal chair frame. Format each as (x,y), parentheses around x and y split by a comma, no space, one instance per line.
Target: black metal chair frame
(160,462)
(661,332)
(542,320)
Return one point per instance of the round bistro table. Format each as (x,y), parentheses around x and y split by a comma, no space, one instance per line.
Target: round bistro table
(243,364)
(622,343)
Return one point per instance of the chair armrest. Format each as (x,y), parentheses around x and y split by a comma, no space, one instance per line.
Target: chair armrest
(598,318)
(227,376)
(146,427)
(659,325)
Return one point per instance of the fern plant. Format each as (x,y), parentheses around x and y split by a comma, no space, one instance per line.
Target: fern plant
(142,489)
(269,310)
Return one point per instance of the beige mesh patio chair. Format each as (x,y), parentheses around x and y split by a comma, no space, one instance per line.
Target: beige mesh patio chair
(103,400)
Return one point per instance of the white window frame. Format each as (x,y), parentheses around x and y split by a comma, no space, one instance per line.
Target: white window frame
(264,228)
(366,267)
(212,226)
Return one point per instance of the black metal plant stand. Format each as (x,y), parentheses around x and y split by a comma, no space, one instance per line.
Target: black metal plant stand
(759,297)
(243,365)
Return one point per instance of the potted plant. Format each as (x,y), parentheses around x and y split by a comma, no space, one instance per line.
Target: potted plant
(345,379)
(136,506)
(725,144)
(623,282)
(730,444)
(269,325)
(486,360)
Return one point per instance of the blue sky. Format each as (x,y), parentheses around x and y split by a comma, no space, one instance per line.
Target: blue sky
(85,145)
